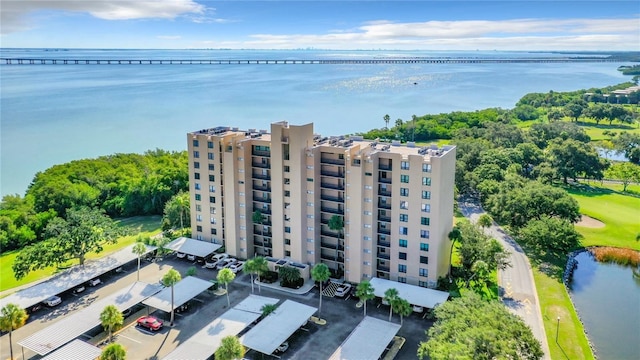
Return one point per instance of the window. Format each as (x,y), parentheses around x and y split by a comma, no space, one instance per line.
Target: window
(404,165)
(287,229)
(287,253)
(424,260)
(356,162)
(426,208)
(402,256)
(198,217)
(198,207)
(404,230)
(366,212)
(404,192)
(402,268)
(367,251)
(402,279)
(196,176)
(309,167)
(212,220)
(368,187)
(366,263)
(212,210)
(196,154)
(426,167)
(240,194)
(424,234)
(287,193)
(367,226)
(309,240)
(196,142)
(212,188)
(196,165)
(287,241)
(198,197)
(198,237)
(310,216)
(426,181)
(367,174)
(210,144)
(404,205)
(424,272)
(199,228)
(310,204)
(287,181)
(287,168)
(404,217)
(309,228)
(310,179)
(424,221)
(367,199)
(212,178)
(310,252)
(211,167)
(197,186)
(241,205)
(240,158)
(210,156)
(424,247)
(404,178)
(214,232)
(402,243)
(212,199)
(422,284)
(310,192)
(366,238)
(426,195)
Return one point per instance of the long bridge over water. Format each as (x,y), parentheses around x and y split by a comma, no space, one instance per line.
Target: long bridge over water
(53,61)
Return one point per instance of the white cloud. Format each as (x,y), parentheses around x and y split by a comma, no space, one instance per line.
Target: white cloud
(14,15)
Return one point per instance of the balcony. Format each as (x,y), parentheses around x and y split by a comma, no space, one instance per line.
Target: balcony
(262,199)
(332,173)
(332,198)
(331,234)
(384,218)
(330,210)
(382,268)
(385,180)
(386,167)
(384,205)
(261,176)
(263,211)
(331,246)
(261,188)
(332,186)
(383,256)
(261,153)
(260,165)
(332,258)
(384,243)
(385,231)
(262,233)
(332,161)
(384,192)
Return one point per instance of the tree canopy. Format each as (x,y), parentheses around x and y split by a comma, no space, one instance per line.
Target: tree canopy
(471,328)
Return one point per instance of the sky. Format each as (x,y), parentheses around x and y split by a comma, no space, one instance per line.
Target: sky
(267,24)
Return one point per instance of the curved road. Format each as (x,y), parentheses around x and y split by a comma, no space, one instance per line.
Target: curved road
(517,287)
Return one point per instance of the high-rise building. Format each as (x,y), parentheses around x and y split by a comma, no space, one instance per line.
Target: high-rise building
(365,208)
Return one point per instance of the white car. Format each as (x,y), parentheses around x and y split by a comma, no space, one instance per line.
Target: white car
(53,301)
(214,260)
(418,309)
(343,290)
(282,348)
(95,282)
(191,257)
(237,267)
(224,263)
(180,255)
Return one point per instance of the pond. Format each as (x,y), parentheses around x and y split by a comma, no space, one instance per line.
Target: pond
(607,298)
(611,155)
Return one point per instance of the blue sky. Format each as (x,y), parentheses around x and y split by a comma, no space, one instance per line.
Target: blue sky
(426,25)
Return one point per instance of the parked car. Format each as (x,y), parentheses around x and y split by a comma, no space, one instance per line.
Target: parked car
(150,323)
(79,289)
(282,348)
(237,267)
(225,263)
(127,312)
(95,282)
(418,309)
(191,257)
(182,308)
(180,255)
(52,301)
(343,290)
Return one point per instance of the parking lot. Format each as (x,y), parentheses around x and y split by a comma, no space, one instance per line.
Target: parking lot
(311,342)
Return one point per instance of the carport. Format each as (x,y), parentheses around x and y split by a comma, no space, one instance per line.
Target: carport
(76,350)
(415,295)
(71,278)
(183,291)
(276,328)
(206,341)
(70,327)
(367,341)
(194,247)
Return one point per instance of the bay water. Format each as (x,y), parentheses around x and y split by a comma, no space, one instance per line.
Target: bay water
(51,114)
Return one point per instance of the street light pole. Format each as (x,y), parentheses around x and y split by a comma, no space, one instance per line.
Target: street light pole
(557,329)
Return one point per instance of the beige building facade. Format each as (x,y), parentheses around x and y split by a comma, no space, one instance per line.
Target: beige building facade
(366,209)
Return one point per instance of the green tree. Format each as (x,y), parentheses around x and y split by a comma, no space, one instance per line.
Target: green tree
(386,118)
(364,292)
(230,349)
(454,235)
(256,266)
(629,144)
(625,172)
(320,273)
(555,115)
(191,271)
(171,278)
(402,307)
(250,268)
(571,158)
(83,231)
(485,220)
(113,352)
(550,235)
(475,246)
(471,328)
(267,309)
(391,296)
(575,108)
(226,276)
(139,248)
(12,317)
(257,217)
(288,274)
(176,211)
(111,319)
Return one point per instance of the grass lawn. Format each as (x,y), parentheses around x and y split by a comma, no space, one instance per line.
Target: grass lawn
(143,225)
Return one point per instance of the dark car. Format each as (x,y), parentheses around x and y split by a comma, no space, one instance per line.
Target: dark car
(150,323)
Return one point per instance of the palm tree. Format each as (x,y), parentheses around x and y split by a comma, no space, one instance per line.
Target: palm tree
(390,296)
(364,292)
(454,235)
(113,352)
(12,317)
(225,276)
(386,118)
(402,307)
(230,348)
(250,268)
(111,318)
(320,273)
(139,249)
(288,275)
(261,266)
(257,217)
(171,278)
(268,309)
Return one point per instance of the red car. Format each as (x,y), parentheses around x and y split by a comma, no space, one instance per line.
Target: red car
(150,323)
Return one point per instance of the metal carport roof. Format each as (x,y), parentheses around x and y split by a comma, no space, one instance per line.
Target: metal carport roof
(415,295)
(206,341)
(276,328)
(70,327)
(192,246)
(71,278)
(75,350)
(367,341)
(183,291)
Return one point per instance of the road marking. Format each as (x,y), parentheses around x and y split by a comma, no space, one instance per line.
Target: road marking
(126,337)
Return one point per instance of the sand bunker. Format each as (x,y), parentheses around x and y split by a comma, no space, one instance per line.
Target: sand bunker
(589,222)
